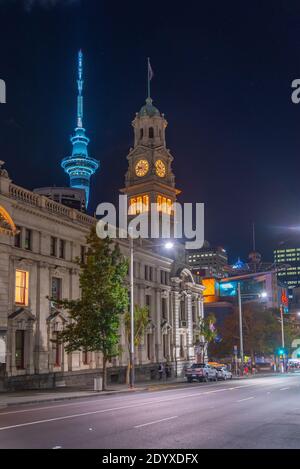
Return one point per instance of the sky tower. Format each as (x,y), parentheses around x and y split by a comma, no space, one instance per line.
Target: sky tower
(80,166)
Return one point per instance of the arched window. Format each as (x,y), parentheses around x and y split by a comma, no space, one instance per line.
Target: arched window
(151,132)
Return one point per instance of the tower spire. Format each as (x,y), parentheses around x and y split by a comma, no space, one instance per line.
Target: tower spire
(253,235)
(80,88)
(80,166)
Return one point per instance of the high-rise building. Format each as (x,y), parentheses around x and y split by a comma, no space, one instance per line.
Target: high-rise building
(74,198)
(208,261)
(287,258)
(80,166)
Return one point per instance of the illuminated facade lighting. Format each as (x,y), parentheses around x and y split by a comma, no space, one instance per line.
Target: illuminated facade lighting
(80,166)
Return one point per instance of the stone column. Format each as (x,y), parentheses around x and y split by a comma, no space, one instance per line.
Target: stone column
(157,333)
(64,359)
(29,349)
(190,346)
(175,302)
(141,352)
(12,370)
(200,313)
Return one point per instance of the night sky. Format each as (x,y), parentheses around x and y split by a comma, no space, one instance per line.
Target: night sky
(222,76)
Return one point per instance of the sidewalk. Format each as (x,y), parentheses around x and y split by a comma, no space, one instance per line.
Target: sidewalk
(65,393)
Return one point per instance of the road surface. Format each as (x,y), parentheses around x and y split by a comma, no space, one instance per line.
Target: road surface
(254,413)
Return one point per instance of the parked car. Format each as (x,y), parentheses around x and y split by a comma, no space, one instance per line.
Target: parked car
(201,372)
(223,373)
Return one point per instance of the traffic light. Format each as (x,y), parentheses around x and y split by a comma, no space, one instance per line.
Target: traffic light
(281,351)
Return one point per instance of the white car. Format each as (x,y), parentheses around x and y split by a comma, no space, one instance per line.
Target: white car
(223,373)
(201,372)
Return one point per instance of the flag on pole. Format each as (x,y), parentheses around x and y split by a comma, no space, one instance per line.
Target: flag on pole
(150,71)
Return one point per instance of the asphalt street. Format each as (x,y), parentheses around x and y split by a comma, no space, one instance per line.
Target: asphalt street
(254,413)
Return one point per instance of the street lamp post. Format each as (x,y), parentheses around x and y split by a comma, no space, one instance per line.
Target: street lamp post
(131,317)
(241,324)
(168,245)
(261,295)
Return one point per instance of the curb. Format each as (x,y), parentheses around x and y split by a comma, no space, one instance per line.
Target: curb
(68,398)
(153,387)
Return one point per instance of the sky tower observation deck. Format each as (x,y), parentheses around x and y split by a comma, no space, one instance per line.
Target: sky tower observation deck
(80,166)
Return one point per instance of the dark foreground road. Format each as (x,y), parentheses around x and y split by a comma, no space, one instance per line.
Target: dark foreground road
(258,413)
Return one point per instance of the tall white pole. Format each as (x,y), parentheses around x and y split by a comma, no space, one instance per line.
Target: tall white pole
(282,336)
(282,326)
(241,325)
(131,317)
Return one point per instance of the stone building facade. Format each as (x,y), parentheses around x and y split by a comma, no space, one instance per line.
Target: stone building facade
(40,240)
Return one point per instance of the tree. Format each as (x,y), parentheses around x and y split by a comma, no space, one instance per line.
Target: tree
(207,330)
(95,317)
(141,320)
(261,331)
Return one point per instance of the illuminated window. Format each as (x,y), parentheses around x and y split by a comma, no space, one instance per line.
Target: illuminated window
(21,289)
(139,204)
(164,204)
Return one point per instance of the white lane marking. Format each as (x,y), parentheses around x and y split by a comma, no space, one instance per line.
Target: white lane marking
(113,399)
(283,389)
(155,421)
(78,402)
(56,447)
(246,399)
(83,414)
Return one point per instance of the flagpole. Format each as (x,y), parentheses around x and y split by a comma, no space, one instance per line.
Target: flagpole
(148,74)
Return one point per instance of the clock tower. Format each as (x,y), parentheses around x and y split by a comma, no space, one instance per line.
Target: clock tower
(149,178)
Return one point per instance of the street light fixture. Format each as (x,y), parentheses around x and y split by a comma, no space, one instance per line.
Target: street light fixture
(168,245)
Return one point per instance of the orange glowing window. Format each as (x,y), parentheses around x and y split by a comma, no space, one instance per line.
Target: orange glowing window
(21,288)
(164,204)
(139,204)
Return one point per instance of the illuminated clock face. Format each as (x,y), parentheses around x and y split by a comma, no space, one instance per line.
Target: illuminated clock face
(141,168)
(160,168)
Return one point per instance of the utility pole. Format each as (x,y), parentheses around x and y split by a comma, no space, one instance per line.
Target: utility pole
(241,325)
(282,326)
